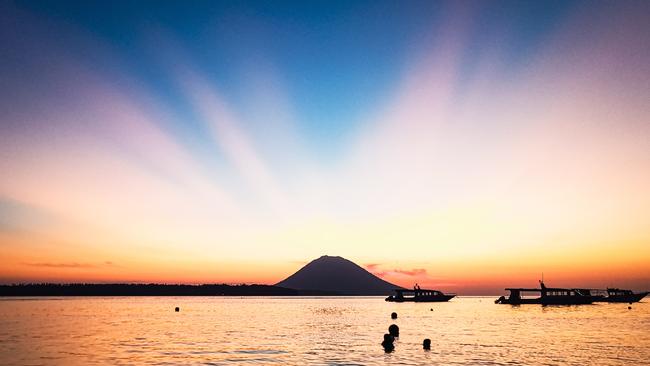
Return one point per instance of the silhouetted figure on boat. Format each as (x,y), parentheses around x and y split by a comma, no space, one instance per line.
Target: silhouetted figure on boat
(388,343)
(394,330)
(426,344)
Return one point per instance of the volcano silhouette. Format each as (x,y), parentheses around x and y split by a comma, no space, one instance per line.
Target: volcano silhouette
(337,275)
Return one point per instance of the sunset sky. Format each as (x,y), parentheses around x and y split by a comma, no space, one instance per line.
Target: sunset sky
(466,146)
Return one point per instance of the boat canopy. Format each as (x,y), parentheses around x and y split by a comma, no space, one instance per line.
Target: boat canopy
(418,292)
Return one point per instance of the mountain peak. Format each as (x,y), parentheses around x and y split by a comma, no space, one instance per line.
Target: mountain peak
(329,258)
(337,274)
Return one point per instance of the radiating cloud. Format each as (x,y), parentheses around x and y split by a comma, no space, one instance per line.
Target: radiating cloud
(233,141)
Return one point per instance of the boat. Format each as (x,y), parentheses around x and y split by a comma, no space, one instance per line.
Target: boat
(615,295)
(596,294)
(619,295)
(548,296)
(419,295)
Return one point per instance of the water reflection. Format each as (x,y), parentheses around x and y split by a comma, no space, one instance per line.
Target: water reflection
(223,331)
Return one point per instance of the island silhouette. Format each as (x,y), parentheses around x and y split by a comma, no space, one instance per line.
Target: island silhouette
(324,276)
(337,274)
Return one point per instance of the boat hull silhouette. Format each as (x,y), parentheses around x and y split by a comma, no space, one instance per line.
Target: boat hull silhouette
(548,296)
(557,300)
(626,298)
(618,295)
(615,295)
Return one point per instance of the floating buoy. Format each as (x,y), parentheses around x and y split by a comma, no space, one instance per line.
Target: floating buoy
(393,315)
(629,308)
(431,309)
(177,309)
(426,344)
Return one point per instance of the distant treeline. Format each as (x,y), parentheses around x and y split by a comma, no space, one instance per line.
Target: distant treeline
(91,289)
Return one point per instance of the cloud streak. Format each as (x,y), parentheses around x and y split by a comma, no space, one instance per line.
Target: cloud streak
(68,265)
(375,269)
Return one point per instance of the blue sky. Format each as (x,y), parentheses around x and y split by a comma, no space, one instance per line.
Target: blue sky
(337,60)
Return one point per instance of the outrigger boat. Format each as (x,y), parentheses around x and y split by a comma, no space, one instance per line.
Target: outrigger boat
(548,296)
(419,295)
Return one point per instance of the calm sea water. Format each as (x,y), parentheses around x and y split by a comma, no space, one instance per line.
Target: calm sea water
(316,331)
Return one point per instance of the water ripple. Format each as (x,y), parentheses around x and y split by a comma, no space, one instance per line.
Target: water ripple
(315,331)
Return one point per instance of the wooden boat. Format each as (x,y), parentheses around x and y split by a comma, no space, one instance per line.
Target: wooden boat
(548,296)
(419,295)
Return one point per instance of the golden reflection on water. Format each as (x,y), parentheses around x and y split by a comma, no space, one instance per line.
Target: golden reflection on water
(328,331)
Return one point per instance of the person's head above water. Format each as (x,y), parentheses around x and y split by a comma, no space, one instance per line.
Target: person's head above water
(426,344)
(393,330)
(388,343)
